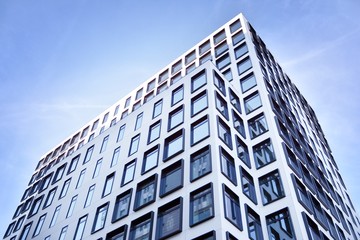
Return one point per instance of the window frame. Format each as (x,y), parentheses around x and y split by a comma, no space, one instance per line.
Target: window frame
(172,139)
(173,207)
(99,211)
(168,171)
(144,184)
(118,205)
(195,125)
(148,153)
(198,194)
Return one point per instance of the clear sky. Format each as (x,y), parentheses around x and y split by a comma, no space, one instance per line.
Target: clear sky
(64,62)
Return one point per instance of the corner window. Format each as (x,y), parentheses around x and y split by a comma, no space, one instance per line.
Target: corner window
(169,220)
(177,95)
(154,131)
(271,187)
(200,130)
(80,228)
(128,174)
(134,145)
(244,65)
(176,118)
(257,126)
(100,218)
(252,102)
(108,185)
(221,106)
(174,145)
(254,224)
(224,133)
(172,178)
(279,225)
(145,192)
(150,160)
(232,207)
(141,228)
(198,81)
(199,103)
(157,108)
(248,186)
(201,205)
(228,165)
(122,205)
(121,133)
(263,153)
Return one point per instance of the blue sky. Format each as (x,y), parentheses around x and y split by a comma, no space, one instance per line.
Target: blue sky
(64,62)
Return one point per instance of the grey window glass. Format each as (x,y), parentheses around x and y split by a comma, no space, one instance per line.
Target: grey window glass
(80,228)
(145,192)
(234,100)
(252,102)
(232,207)
(248,187)
(95,125)
(71,206)
(138,122)
(127,102)
(242,151)
(263,153)
(104,144)
(254,225)
(136,105)
(200,130)
(129,171)
(174,144)
(244,65)
(36,206)
(157,108)
(124,114)
(219,83)
(280,226)
(257,126)
(238,37)
(177,95)
(80,179)
(241,50)
(115,157)
(154,131)
(235,26)
(238,124)
(228,75)
(219,37)
(97,168)
(149,96)
(176,67)
(121,133)
(201,205)
(141,228)
(228,166)
(122,205)
(59,173)
(54,217)
(134,145)
(106,116)
(221,106)
(88,154)
(100,218)
(176,118)
(151,85)
(204,47)
(190,68)
(221,49)
(205,58)
(169,221)
(224,133)
(271,187)
(200,163)
(198,81)
(138,94)
(108,184)
(171,178)
(199,103)
(190,57)
(19,223)
(89,196)
(150,159)
(39,225)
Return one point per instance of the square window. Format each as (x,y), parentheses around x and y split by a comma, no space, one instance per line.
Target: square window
(241,50)
(176,117)
(204,47)
(198,81)
(232,207)
(224,132)
(174,145)
(252,102)
(219,37)
(129,170)
(248,186)
(145,192)
(177,95)
(108,185)
(235,26)
(264,153)
(238,37)
(199,103)
(244,65)
(200,130)
(169,220)
(134,145)
(154,131)
(221,105)
(257,126)
(201,205)
(141,228)
(228,166)
(117,234)
(157,108)
(172,178)
(219,83)
(200,164)
(271,187)
(122,206)
(150,160)
(100,218)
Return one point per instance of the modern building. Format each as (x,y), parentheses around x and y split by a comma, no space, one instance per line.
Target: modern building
(219,144)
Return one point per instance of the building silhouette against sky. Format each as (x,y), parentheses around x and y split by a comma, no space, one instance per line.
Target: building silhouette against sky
(220,144)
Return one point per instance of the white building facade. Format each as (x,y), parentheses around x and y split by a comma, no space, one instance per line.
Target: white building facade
(220,144)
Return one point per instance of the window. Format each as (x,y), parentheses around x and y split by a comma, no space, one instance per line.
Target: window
(150,159)
(100,218)
(241,50)
(39,225)
(80,179)
(138,94)
(36,206)
(151,85)
(219,83)
(238,37)
(105,118)
(97,168)
(263,153)
(244,65)
(121,133)
(198,81)
(174,144)
(172,178)
(228,74)
(127,102)
(108,185)
(252,102)
(234,99)
(219,37)
(238,124)
(24,234)
(176,67)
(177,95)
(204,47)
(89,196)
(73,164)
(19,223)
(95,125)
(162,88)
(254,224)
(279,225)
(200,130)
(71,206)
(145,192)
(232,207)
(207,236)
(117,234)
(141,228)
(154,131)
(223,61)
(63,233)
(80,228)
(54,217)
(50,197)
(235,26)
(88,154)
(134,145)
(227,165)
(224,133)
(271,187)
(200,164)
(190,57)
(122,205)
(59,173)
(190,68)
(175,78)
(104,144)
(257,126)
(176,118)
(157,108)
(9,230)
(128,174)
(223,47)
(169,220)
(44,185)
(138,123)
(201,205)
(199,103)
(205,58)
(248,186)
(124,114)
(221,106)
(115,157)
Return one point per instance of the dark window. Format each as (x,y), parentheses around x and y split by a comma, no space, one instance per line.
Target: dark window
(207,236)
(36,206)
(80,228)
(254,224)
(244,65)
(248,186)
(198,81)
(219,83)
(176,118)
(154,131)
(252,102)
(238,124)
(190,57)
(145,192)
(141,228)
(177,95)
(108,185)
(169,220)
(279,225)
(174,144)
(176,67)
(227,165)
(88,154)
(19,223)
(65,188)
(223,47)
(238,37)
(122,205)
(24,234)
(223,61)
(100,218)
(44,185)
(232,207)
(134,145)
(263,153)
(204,47)
(241,50)
(247,82)
(128,174)
(50,197)
(10,229)
(271,187)
(150,159)
(200,163)
(157,108)
(224,133)
(73,164)
(172,178)
(59,173)
(115,157)
(201,205)
(151,85)
(257,126)
(121,133)
(235,26)
(234,99)
(200,130)
(199,103)
(117,234)
(221,106)
(219,36)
